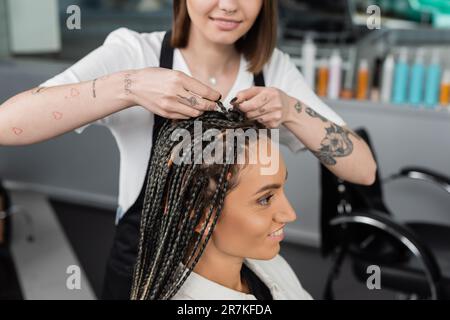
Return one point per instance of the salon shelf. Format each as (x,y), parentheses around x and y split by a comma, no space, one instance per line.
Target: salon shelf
(438,113)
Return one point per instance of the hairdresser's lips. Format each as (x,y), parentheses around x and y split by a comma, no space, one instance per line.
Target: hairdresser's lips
(277,235)
(226,24)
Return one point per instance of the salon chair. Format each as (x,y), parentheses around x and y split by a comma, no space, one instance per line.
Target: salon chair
(356,224)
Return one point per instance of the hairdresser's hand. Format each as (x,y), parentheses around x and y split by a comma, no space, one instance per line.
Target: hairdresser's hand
(169,93)
(267,105)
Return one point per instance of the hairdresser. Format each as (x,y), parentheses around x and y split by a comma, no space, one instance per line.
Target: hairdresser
(216,50)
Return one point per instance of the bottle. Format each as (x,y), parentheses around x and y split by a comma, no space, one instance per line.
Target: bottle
(417,79)
(445,89)
(401,74)
(347,91)
(386,82)
(334,81)
(433,81)
(375,91)
(308,58)
(322,78)
(363,80)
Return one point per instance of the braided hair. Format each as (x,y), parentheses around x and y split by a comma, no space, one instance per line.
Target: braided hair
(177,197)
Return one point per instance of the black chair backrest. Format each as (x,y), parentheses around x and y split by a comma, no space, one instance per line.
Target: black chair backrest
(341,197)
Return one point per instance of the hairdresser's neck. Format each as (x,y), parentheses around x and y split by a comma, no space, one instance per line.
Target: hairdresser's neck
(209,58)
(221,268)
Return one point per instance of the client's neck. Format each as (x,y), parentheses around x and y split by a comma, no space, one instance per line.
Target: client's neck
(221,268)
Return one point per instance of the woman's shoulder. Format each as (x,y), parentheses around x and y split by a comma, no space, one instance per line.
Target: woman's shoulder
(278,271)
(141,45)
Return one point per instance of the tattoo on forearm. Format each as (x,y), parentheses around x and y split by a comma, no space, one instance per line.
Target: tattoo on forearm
(127,84)
(314,114)
(17,131)
(190,101)
(73,93)
(298,106)
(38,90)
(335,144)
(57,115)
(93,88)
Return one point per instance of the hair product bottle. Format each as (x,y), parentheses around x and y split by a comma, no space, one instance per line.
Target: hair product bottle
(401,73)
(375,90)
(334,81)
(386,82)
(433,81)
(322,78)
(309,51)
(445,89)
(363,80)
(417,78)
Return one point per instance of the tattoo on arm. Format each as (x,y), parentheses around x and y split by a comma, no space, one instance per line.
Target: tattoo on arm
(314,114)
(335,144)
(38,90)
(17,131)
(57,115)
(298,106)
(127,83)
(190,101)
(73,93)
(93,89)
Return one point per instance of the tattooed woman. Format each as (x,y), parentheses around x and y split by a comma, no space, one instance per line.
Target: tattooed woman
(217,51)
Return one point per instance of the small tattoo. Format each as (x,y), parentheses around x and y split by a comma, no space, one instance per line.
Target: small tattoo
(127,84)
(93,88)
(335,144)
(57,115)
(191,101)
(262,110)
(17,131)
(73,93)
(298,106)
(38,90)
(314,114)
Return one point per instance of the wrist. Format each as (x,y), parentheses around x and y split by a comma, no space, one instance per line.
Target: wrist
(122,83)
(294,109)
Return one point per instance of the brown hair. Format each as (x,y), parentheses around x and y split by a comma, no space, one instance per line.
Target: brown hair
(257,44)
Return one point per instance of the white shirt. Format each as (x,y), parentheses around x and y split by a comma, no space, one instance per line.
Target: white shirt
(124,49)
(275,273)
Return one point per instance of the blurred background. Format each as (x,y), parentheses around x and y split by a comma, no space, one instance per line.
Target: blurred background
(382,65)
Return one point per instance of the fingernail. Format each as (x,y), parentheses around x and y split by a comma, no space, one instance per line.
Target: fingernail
(233,100)
(220,98)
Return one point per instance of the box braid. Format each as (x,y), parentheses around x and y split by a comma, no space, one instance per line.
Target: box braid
(177,196)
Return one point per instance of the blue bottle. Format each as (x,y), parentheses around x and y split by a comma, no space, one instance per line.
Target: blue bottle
(417,79)
(401,73)
(433,79)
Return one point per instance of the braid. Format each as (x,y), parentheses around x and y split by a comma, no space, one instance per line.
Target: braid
(177,197)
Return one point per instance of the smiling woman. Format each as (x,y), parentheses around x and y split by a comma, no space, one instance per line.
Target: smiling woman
(213,231)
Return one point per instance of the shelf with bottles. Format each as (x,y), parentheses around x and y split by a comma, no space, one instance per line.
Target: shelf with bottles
(438,112)
(416,77)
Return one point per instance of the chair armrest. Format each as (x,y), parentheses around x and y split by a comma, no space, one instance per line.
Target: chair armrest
(422,174)
(406,236)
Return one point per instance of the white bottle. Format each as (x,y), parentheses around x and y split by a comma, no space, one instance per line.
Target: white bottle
(334,80)
(386,80)
(309,51)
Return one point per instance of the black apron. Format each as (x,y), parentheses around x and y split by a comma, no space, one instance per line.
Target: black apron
(123,255)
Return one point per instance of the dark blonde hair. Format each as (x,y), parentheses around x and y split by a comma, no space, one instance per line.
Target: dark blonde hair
(257,44)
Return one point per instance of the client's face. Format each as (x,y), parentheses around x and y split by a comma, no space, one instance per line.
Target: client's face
(206,14)
(255,209)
